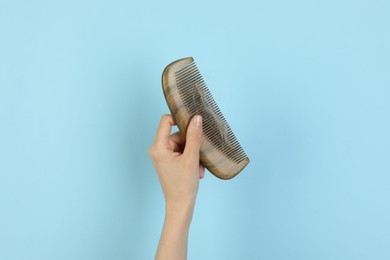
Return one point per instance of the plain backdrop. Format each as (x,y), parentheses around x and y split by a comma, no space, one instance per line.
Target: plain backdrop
(305,86)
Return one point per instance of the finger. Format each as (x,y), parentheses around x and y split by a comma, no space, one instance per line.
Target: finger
(164,128)
(201,171)
(193,138)
(177,141)
(178,138)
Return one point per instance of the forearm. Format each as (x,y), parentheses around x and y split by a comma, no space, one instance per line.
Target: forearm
(174,236)
(176,159)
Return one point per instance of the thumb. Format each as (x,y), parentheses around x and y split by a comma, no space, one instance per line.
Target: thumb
(193,138)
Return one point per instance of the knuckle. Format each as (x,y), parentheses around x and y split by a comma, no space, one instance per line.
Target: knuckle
(150,152)
(165,117)
(153,151)
(156,152)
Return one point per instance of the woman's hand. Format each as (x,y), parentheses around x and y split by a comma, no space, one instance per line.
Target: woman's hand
(176,160)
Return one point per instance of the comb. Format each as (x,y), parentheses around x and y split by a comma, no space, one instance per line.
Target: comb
(187,95)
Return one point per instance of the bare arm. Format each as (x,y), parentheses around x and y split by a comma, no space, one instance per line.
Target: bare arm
(176,160)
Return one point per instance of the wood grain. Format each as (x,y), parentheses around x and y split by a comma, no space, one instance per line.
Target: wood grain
(216,161)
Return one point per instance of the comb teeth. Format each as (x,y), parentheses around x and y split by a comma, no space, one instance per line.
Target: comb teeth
(198,100)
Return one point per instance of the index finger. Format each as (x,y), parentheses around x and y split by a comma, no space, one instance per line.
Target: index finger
(164,128)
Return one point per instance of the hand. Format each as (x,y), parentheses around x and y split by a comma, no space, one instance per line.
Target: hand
(176,160)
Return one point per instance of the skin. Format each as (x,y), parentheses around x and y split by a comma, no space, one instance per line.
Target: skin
(176,160)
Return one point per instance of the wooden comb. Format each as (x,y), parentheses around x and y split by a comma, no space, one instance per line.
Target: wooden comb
(187,95)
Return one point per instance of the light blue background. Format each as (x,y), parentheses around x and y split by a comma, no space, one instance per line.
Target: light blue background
(303,84)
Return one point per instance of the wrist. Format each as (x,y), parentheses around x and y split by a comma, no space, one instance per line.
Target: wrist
(179,213)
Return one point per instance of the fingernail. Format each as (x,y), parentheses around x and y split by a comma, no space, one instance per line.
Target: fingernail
(198,120)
